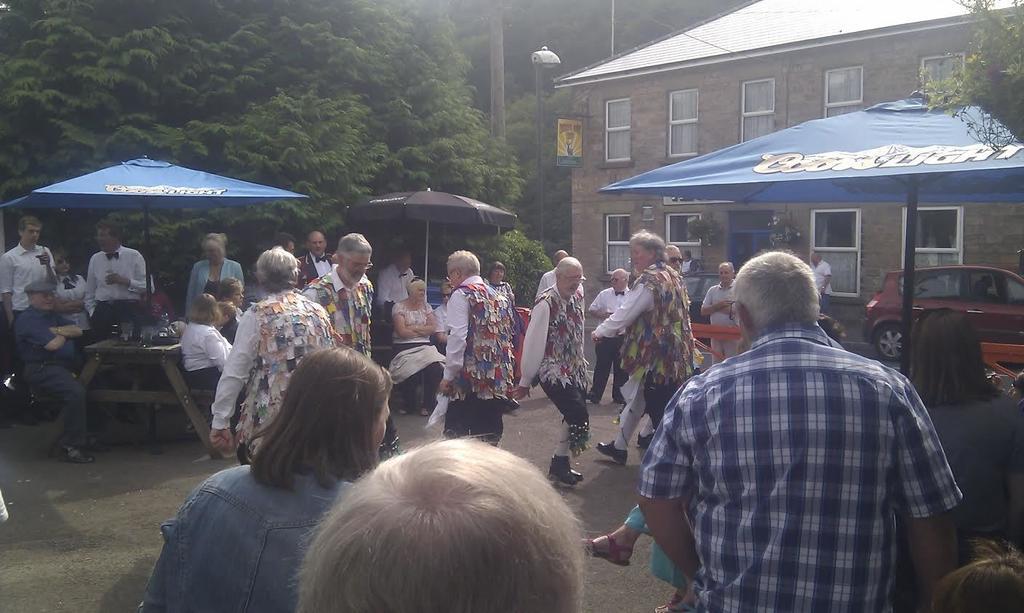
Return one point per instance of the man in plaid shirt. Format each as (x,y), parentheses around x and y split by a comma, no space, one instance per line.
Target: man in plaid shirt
(792,462)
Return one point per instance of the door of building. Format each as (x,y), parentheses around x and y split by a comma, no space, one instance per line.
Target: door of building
(749,234)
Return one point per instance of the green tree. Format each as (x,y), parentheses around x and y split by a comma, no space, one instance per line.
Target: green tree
(993,75)
(524,260)
(334,98)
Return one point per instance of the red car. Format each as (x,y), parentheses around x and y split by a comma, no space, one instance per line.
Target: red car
(992,298)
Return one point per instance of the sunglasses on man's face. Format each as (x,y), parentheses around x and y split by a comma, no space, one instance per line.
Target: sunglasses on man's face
(676,260)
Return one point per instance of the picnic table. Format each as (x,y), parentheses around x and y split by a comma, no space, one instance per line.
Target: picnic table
(130,355)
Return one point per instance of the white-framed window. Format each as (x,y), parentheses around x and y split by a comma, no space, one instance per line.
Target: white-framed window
(844,90)
(616,241)
(835,236)
(678,233)
(758,109)
(616,130)
(941,67)
(940,235)
(682,123)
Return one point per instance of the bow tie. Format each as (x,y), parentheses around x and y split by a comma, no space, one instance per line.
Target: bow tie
(113,256)
(622,293)
(323,258)
(68,283)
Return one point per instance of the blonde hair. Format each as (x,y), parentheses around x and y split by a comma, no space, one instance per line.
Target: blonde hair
(204,310)
(217,238)
(460,526)
(465,262)
(416,283)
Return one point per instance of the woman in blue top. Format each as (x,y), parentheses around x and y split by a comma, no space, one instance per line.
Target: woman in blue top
(239,539)
(208,272)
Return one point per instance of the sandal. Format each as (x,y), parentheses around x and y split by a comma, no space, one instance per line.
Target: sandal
(616,554)
(676,605)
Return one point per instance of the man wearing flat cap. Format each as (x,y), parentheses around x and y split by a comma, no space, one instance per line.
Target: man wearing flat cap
(45,344)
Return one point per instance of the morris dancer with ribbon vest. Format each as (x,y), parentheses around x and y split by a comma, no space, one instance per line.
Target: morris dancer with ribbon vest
(553,354)
(657,350)
(347,295)
(478,376)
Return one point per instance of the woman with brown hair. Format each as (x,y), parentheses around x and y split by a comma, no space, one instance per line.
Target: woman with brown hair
(237,542)
(981,430)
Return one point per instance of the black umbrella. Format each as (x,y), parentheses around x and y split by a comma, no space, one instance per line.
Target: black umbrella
(430,206)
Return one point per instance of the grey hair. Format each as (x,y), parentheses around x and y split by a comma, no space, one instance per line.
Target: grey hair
(777,288)
(277,269)
(218,238)
(435,521)
(649,241)
(465,262)
(729,264)
(624,272)
(354,243)
(566,264)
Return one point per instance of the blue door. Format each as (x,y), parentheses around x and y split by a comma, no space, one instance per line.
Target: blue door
(749,234)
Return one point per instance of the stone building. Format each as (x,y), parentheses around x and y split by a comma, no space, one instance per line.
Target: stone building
(763,67)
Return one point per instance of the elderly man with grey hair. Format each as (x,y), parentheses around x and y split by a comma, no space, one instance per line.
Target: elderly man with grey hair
(718,306)
(657,346)
(553,357)
(272,338)
(777,477)
(478,376)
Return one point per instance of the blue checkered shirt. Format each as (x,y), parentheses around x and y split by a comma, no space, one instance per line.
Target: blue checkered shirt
(795,458)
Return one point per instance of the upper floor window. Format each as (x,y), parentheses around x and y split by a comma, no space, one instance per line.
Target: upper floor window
(941,67)
(682,123)
(844,90)
(616,242)
(758,109)
(616,130)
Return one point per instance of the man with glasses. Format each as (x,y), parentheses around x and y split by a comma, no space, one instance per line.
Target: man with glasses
(347,295)
(718,305)
(675,258)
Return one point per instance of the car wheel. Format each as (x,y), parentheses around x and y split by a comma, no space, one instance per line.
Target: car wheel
(889,341)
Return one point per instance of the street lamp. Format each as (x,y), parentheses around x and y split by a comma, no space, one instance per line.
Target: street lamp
(544,58)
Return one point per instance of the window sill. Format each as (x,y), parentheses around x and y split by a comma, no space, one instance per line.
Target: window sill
(618,164)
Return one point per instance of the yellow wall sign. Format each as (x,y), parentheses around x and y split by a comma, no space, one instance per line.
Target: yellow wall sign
(569,149)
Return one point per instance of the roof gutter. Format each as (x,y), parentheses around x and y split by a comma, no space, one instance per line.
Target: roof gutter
(569,81)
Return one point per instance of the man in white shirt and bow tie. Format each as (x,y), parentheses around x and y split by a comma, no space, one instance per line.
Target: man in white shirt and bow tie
(115,283)
(392,283)
(317,262)
(606,303)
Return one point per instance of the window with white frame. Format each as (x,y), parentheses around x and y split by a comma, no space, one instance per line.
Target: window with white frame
(758,109)
(616,130)
(835,236)
(940,232)
(941,67)
(678,233)
(682,123)
(616,235)
(844,90)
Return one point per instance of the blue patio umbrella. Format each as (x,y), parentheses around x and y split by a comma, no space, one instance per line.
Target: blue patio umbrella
(893,152)
(149,184)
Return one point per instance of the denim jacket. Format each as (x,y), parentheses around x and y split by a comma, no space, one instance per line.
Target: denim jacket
(237,545)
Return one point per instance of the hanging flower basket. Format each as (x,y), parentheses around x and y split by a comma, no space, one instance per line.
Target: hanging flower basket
(706,229)
(784,231)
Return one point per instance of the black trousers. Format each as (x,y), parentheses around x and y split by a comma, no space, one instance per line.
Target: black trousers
(203,379)
(107,314)
(56,379)
(656,398)
(570,401)
(476,417)
(608,359)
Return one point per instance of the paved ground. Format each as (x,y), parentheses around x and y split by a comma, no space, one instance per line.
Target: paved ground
(84,538)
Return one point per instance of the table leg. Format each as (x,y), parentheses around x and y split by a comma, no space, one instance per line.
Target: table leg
(89,371)
(198,423)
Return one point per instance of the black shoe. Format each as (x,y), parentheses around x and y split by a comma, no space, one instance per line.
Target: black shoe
(643,442)
(75,455)
(610,450)
(561,472)
(618,399)
(592,399)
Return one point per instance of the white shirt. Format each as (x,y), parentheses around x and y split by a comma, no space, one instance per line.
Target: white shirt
(392,285)
(129,263)
(18,268)
(203,346)
(441,315)
(322,267)
(606,302)
(235,373)
(536,340)
(716,294)
(417,317)
(685,266)
(822,270)
(458,322)
(638,301)
(547,280)
(72,288)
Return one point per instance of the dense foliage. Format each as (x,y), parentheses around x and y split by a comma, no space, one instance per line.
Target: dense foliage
(523,258)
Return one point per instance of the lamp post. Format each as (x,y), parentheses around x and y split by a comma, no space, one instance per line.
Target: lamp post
(541,59)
